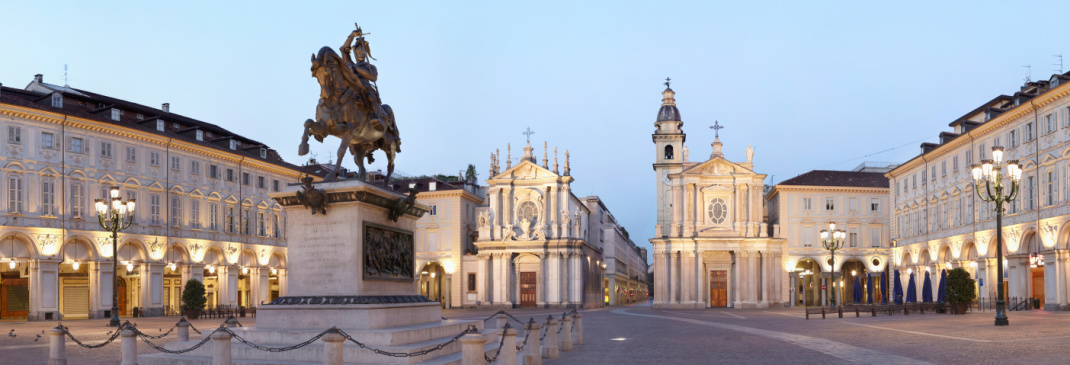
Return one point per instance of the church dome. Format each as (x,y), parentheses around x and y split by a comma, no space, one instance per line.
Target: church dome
(669,113)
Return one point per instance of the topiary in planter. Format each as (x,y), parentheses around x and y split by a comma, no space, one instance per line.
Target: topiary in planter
(960,289)
(193,299)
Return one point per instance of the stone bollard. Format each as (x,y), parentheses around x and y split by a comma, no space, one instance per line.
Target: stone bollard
(549,349)
(500,320)
(333,348)
(231,322)
(472,349)
(565,340)
(508,354)
(57,347)
(531,349)
(578,332)
(183,330)
(221,348)
(129,347)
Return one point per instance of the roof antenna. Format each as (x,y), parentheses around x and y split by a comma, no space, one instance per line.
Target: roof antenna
(1060,64)
(1028,73)
(65,84)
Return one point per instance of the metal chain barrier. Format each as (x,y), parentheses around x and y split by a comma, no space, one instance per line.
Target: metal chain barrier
(470,329)
(115,335)
(277,349)
(194,328)
(562,326)
(500,345)
(546,327)
(527,333)
(145,338)
(159,336)
(510,316)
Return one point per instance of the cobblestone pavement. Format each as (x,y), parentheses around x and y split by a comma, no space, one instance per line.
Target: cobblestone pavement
(642,335)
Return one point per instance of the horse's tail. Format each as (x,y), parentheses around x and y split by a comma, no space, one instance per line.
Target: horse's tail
(393,132)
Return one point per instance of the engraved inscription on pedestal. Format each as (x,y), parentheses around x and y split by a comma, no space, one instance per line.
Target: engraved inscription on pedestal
(322,253)
(388,253)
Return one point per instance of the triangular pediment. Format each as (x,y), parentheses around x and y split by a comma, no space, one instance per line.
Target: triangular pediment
(717,166)
(527,170)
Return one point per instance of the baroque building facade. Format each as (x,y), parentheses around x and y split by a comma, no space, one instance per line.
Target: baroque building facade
(202,207)
(857,202)
(713,248)
(445,238)
(939,222)
(539,245)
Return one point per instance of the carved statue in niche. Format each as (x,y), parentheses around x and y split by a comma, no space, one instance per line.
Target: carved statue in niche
(566,223)
(508,233)
(388,254)
(484,219)
(525,228)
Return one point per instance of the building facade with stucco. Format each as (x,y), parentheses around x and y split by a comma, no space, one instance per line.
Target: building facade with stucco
(202,207)
(940,222)
(856,202)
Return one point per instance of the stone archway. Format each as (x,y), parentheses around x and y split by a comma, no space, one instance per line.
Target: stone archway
(851,271)
(432,277)
(808,283)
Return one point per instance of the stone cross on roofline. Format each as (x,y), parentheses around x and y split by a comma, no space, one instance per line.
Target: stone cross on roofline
(716,129)
(528,133)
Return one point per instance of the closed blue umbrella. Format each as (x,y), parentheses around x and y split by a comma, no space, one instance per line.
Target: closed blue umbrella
(857,291)
(897,293)
(941,289)
(869,289)
(912,290)
(927,289)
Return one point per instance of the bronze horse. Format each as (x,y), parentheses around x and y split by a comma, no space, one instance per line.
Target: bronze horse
(342,113)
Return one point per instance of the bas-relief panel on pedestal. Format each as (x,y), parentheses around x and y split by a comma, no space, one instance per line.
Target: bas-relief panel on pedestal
(388,253)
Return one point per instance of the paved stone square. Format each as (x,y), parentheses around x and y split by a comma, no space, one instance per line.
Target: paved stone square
(641,335)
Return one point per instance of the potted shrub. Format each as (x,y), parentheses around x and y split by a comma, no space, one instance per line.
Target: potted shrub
(193,299)
(960,290)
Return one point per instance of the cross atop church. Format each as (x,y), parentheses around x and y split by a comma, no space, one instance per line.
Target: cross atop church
(716,129)
(667,81)
(528,133)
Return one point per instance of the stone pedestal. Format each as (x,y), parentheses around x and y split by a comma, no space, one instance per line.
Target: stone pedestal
(352,268)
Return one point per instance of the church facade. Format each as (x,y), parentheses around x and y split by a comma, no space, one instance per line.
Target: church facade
(712,247)
(539,244)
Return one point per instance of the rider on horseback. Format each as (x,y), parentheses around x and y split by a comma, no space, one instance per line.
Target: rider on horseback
(367,74)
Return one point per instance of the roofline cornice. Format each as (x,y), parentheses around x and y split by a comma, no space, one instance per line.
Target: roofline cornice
(138,135)
(987,127)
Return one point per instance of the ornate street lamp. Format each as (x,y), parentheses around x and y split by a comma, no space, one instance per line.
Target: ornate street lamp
(114,216)
(990,172)
(832,239)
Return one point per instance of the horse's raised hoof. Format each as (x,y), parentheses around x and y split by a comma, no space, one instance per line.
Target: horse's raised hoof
(303,149)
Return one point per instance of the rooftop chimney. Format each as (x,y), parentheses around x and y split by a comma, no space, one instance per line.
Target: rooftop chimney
(38,78)
(1,86)
(166,107)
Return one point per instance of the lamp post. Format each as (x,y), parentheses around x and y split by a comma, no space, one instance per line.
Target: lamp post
(114,216)
(990,172)
(832,239)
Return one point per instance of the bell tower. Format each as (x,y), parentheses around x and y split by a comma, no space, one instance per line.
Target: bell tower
(669,155)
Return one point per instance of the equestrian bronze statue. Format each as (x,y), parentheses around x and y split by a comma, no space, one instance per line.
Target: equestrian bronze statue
(350,108)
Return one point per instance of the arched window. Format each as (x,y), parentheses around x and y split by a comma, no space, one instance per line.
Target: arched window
(528,210)
(668,152)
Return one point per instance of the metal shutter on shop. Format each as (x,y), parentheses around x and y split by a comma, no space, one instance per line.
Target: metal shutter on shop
(75,300)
